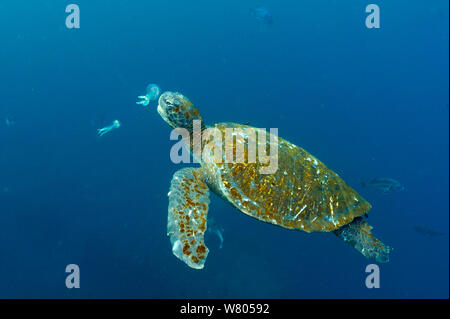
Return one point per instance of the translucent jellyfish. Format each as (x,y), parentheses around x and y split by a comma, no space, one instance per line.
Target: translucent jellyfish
(107,129)
(153,92)
(215,229)
(219,234)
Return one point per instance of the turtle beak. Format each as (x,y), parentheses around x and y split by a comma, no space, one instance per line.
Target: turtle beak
(162,106)
(166,101)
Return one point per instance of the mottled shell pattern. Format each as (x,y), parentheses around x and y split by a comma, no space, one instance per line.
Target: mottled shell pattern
(302,194)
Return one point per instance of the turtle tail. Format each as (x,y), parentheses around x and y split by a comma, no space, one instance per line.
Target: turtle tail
(358,234)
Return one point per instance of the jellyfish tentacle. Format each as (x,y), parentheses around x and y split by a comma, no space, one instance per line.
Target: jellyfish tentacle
(145,101)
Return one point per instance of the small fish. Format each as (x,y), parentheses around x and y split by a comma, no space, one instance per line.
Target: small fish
(385,185)
(262,14)
(427,231)
(9,121)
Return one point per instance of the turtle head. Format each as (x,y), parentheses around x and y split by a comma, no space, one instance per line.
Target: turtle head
(177,110)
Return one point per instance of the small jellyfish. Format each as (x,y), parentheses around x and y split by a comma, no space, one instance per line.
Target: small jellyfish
(219,234)
(107,129)
(153,92)
(10,121)
(215,229)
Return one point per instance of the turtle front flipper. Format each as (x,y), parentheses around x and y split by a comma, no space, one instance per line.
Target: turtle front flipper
(188,208)
(358,234)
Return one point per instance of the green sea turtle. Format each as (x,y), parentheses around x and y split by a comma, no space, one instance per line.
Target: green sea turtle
(302,193)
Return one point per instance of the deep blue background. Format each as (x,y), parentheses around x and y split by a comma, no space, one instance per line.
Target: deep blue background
(368,103)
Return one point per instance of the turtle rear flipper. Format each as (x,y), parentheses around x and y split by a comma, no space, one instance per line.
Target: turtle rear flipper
(186,225)
(358,234)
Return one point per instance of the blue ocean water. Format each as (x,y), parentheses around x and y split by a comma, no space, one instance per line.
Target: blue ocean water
(367,102)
